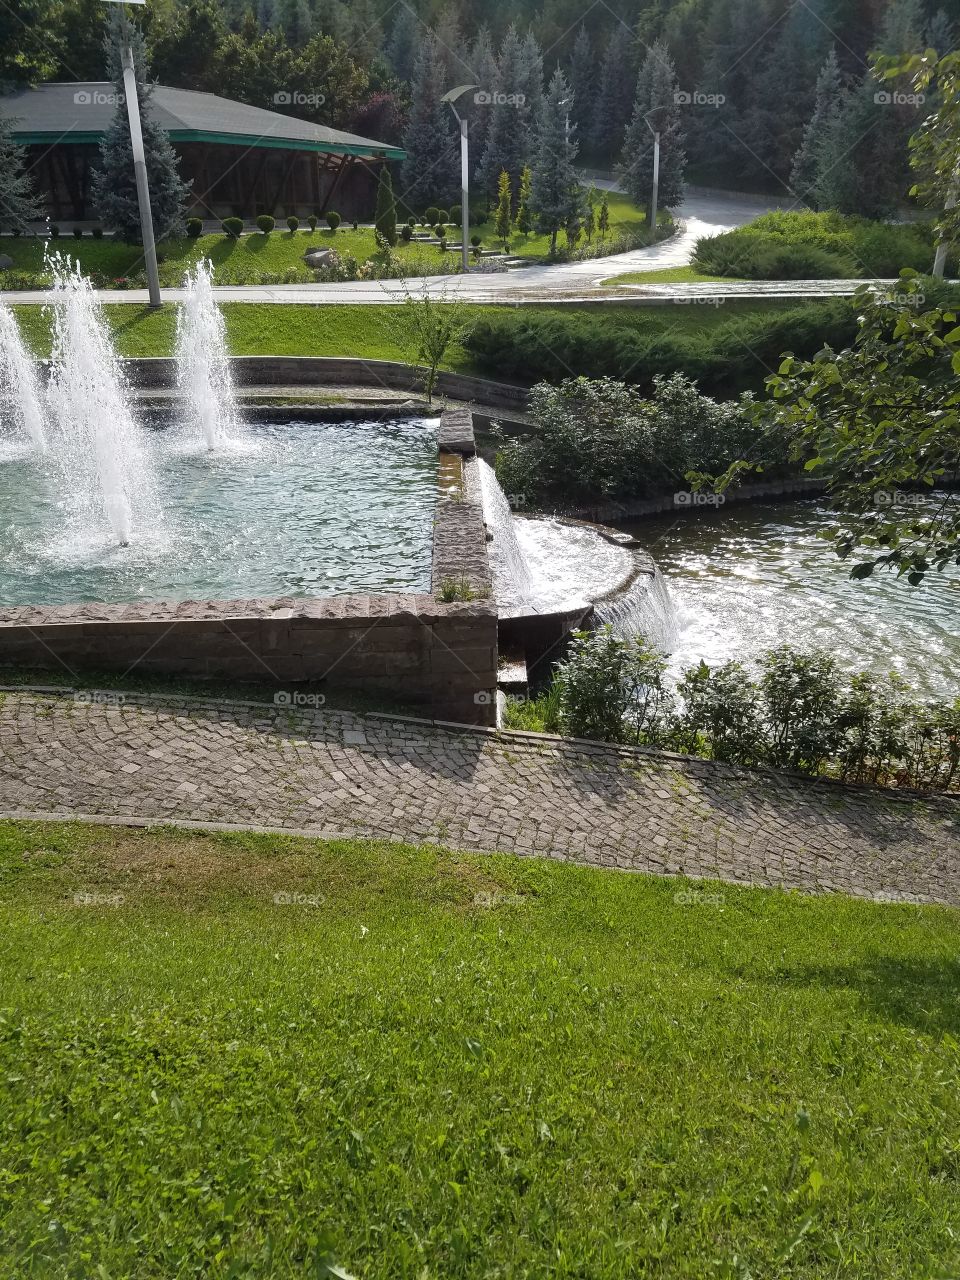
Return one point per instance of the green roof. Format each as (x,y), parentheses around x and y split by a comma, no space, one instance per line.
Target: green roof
(81,111)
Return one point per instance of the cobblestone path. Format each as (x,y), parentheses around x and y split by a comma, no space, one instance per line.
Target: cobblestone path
(334,773)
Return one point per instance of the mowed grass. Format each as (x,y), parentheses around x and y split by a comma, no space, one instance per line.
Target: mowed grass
(368,331)
(249,1056)
(669,275)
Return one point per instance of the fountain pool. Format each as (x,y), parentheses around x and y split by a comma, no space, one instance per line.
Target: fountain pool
(749,577)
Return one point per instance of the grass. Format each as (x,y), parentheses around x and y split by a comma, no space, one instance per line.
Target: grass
(625,218)
(669,275)
(251,1056)
(345,330)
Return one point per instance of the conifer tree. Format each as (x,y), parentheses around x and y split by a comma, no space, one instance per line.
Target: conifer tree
(504,220)
(18,203)
(556,194)
(385,218)
(826,112)
(524,213)
(655,108)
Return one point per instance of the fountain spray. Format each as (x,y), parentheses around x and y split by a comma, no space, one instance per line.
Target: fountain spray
(203,368)
(18,382)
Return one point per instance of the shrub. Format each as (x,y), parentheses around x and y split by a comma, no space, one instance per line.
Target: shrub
(443,215)
(333,219)
(233,227)
(97,233)
(406,233)
(194,227)
(476,241)
(613,689)
(293,223)
(312,222)
(54,231)
(443,244)
(356,225)
(411,223)
(432,216)
(455,217)
(78,233)
(265,223)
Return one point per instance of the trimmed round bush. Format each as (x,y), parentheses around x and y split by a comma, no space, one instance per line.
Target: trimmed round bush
(443,215)
(265,223)
(194,227)
(476,241)
(54,231)
(78,233)
(411,223)
(312,222)
(456,217)
(406,233)
(97,233)
(334,219)
(432,216)
(293,223)
(233,227)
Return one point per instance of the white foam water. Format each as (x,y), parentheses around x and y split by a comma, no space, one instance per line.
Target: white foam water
(19,384)
(203,368)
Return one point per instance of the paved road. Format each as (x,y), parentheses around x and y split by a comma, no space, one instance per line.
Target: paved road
(336,774)
(702,215)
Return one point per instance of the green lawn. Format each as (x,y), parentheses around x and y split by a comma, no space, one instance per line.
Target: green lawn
(335,330)
(418,1064)
(669,275)
(625,218)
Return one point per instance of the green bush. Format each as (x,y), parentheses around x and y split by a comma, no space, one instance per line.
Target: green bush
(78,233)
(97,233)
(455,217)
(54,231)
(265,223)
(293,223)
(333,219)
(613,689)
(443,215)
(312,222)
(194,227)
(476,241)
(432,216)
(735,355)
(233,227)
(406,233)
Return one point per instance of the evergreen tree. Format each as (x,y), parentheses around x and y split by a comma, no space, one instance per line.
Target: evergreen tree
(483,73)
(504,217)
(524,213)
(364,34)
(113,187)
(18,203)
(385,218)
(401,51)
(614,100)
(583,79)
(295,20)
(804,177)
(508,135)
(655,108)
(531,80)
(940,33)
(603,217)
(556,194)
(431,171)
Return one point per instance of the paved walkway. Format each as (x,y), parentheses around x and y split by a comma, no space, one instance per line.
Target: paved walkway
(333,773)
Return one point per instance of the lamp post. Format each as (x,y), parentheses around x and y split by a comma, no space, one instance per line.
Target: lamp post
(139,155)
(452,98)
(656,174)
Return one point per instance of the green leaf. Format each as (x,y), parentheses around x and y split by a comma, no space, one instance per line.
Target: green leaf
(862,570)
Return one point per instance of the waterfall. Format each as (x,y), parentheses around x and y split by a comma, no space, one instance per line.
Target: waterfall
(18,382)
(511,573)
(203,368)
(97,447)
(645,608)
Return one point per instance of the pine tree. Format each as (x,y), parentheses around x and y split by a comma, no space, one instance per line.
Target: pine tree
(655,103)
(295,20)
(385,218)
(603,217)
(524,214)
(531,81)
(614,101)
(483,72)
(504,221)
(940,33)
(583,79)
(826,112)
(556,194)
(431,171)
(364,35)
(508,137)
(590,215)
(18,203)
(401,51)
(113,187)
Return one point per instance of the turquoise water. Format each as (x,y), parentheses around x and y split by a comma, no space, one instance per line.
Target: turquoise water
(746,578)
(290,510)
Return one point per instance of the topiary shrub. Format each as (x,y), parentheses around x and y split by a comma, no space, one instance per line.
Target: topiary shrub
(233,227)
(411,223)
(476,241)
(54,231)
(97,233)
(78,233)
(443,244)
(406,233)
(455,217)
(443,215)
(312,222)
(333,219)
(194,227)
(293,223)
(265,223)
(356,225)
(432,216)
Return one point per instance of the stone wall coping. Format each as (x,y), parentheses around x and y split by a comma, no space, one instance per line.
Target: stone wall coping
(592,745)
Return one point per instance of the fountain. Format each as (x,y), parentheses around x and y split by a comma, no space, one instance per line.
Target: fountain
(97,446)
(203,370)
(19,386)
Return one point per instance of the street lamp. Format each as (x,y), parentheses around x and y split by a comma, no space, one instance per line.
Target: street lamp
(656,173)
(453,97)
(139,156)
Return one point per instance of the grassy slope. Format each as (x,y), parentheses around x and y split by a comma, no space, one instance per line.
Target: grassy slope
(669,275)
(461,1067)
(281,250)
(365,331)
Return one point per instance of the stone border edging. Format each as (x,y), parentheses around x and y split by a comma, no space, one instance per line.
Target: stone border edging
(593,745)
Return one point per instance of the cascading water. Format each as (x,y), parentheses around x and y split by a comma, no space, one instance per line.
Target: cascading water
(104,463)
(542,564)
(19,387)
(203,369)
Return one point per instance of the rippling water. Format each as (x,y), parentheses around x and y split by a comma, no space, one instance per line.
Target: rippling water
(746,578)
(293,509)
